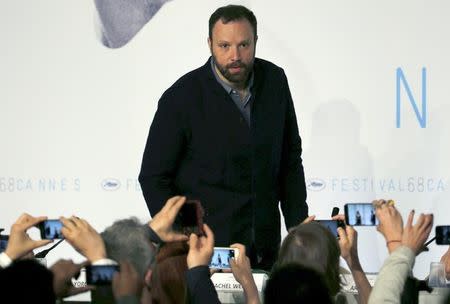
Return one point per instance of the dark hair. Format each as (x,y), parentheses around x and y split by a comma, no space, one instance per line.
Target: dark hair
(26,281)
(295,283)
(168,283)
(232,13)
(314,246)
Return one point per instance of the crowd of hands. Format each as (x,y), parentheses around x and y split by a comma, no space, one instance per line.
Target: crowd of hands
(88,242)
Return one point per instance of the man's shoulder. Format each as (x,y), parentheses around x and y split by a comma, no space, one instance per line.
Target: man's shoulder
(267,66)
(187,88)
(190,80)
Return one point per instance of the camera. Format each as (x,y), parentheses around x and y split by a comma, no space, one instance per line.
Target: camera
(100,274)
(190,217)
(360,214)
(442,235)
(50,229)
(221,257)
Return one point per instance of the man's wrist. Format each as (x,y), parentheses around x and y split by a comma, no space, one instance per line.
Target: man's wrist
(11,254)
(353,262)
(196,264)
(154,237)
(97,257)
(393,245)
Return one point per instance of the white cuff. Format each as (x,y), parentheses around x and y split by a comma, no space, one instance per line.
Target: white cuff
(5,260)
(104,262)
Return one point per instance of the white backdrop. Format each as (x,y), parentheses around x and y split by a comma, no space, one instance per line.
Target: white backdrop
(74,115)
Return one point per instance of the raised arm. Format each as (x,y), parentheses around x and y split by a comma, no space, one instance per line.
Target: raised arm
(392,276)
(242,272)
(348,242)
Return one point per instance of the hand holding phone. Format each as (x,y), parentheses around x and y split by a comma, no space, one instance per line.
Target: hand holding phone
(221,257)
(50,229)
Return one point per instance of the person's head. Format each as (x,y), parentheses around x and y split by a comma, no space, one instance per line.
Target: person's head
(232,41)
(168,284)
(295,283)
(26,281)
(313,245)
(127,240)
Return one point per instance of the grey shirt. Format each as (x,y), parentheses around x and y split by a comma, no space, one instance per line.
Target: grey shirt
(244,105)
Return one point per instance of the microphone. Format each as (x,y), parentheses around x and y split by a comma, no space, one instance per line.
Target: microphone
(335,211)
(43,253)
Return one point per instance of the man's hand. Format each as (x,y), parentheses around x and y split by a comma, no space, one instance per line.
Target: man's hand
(348,242)
(127,281)
(19,242)
(162,222)
(415,236)
(83,238)
(201,248)
(445,259)
(391,223)
(240,266)
(63,272)
(242,272)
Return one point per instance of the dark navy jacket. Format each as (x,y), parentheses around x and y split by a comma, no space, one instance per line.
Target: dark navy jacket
(199,145)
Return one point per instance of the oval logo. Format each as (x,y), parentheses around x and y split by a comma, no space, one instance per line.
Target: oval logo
(315,184)
(110,184)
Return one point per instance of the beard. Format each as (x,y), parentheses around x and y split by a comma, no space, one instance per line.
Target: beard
(239,77)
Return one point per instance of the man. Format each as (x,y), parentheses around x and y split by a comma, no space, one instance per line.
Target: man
(226,134)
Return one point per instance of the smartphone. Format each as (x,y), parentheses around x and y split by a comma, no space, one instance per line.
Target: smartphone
(442,235)
(3,242)
(221,257)
(360,214)
(100,274)
(332,225)
(191,217)
(50,229)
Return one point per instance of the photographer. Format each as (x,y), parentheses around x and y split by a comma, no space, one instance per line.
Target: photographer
(46,284)
(403,243)
(20,243)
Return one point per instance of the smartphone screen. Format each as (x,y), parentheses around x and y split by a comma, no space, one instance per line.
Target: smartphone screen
(191,217)
(3,242)
(221,257)
(360,214)
(100,274)
(442,235)
(51,229)
(331,225)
